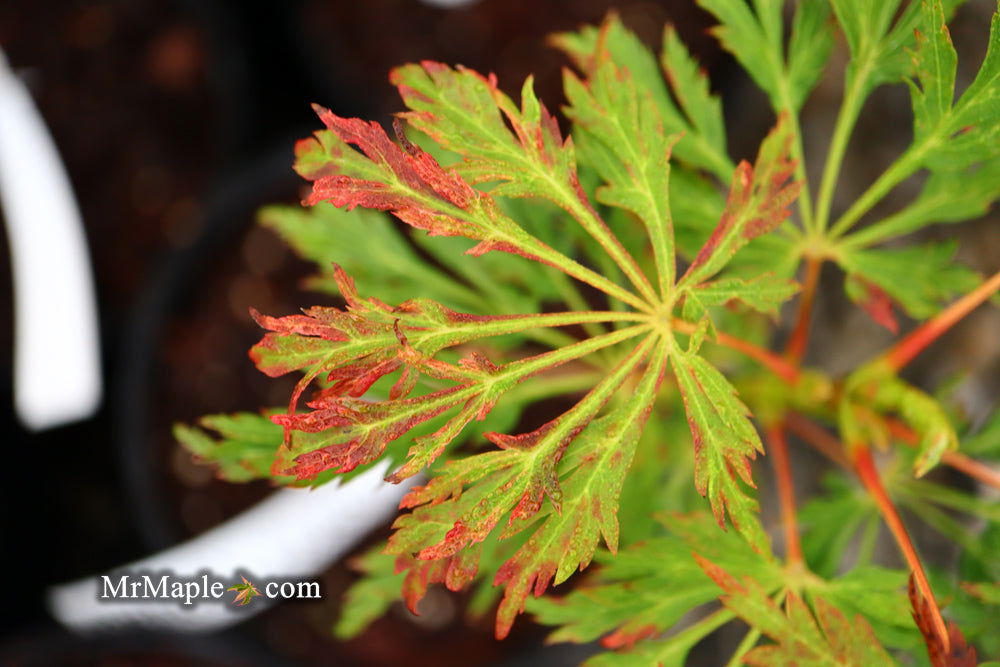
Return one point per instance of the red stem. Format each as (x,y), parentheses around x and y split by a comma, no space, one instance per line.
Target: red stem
(778,450)
(971,467)
(917,340)
(865,467)
(775,363)
(800,335)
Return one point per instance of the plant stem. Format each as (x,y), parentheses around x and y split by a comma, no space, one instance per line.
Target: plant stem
(865,467)
(900,170)
(974,469)
(917,340)
(778,450)
(798,153)
(800,335)
(847,117)
(772,361)
(777,364)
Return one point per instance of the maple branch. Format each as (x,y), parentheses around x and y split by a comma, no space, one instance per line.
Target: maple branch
(775,363)
(971,467)
(772,361)
(864,465)
(778,449)
(917,340)
(800,335)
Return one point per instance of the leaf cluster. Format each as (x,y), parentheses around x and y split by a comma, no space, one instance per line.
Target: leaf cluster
(614,270)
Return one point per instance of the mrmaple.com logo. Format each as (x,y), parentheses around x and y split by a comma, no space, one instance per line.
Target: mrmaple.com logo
(204,587)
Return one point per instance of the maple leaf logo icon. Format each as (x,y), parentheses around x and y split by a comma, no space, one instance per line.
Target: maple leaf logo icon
(245,592)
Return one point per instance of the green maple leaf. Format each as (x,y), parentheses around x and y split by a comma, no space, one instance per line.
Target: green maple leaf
(645,590)
(697,118)
(754,36)
(821,635)
(245,447)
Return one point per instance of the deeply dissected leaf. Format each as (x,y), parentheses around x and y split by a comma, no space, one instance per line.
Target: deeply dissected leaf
(647,589)
(818,636)
(624,138)
(629,197)
(360,430)
(953,136)
(758,202)
(375,253)
(919,277)
(411,184)
(948,196)
(724,444)
(765,293)
(598,463)
(698,118)
(244,450)
(375,338)
(949,135)
(755,36)
(356,347)
(465,112)
(467,500)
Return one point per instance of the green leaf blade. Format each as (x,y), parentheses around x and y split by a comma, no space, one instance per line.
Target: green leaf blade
(724,441)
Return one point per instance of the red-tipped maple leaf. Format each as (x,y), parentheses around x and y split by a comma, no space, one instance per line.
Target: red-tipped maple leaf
(355,347)
(759,200)
(875,301)
(956,652)
(821,635)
